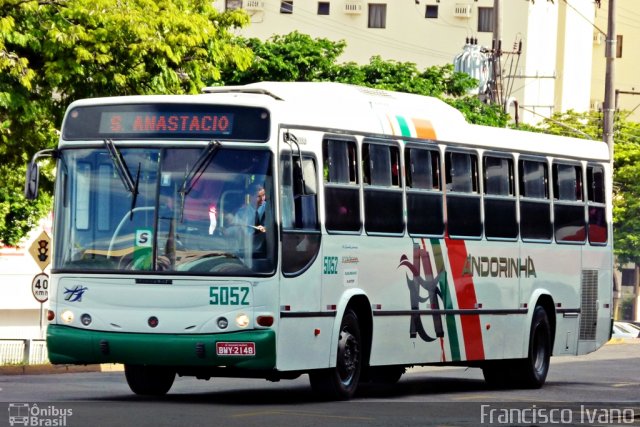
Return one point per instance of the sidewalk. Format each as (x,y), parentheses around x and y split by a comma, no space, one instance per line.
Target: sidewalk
(58,369)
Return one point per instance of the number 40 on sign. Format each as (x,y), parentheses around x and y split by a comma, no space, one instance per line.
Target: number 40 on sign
(40,287)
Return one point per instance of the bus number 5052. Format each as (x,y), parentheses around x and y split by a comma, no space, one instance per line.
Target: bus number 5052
(229,295)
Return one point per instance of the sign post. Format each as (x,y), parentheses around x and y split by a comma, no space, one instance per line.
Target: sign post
(40,250)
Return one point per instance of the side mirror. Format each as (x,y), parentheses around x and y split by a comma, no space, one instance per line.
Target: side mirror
(31,184)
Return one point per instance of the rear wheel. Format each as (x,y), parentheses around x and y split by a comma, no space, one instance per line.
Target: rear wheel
(532,371)
(149,380)
(341,382)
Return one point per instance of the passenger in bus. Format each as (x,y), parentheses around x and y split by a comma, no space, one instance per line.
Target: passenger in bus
(250,219)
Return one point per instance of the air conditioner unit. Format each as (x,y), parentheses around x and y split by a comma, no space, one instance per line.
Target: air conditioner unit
(462,10)
(352,7)
(254,5)
(596,105)
(598,38)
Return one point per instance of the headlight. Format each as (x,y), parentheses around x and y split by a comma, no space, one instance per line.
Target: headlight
(67,316)
(242,320)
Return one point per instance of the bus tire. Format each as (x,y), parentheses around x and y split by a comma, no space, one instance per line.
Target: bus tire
(149,380)
(532,371)
(341,382)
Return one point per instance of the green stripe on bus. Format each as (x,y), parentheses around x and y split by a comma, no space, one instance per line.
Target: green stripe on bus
(404,127)
(452,329)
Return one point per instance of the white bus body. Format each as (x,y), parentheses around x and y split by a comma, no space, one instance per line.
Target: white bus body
(397,234)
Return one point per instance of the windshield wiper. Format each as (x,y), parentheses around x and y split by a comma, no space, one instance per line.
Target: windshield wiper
(196,171)
(123,172)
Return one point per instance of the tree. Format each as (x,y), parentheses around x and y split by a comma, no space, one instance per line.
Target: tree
(53,52)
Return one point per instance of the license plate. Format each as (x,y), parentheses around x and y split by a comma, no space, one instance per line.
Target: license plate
(235,349)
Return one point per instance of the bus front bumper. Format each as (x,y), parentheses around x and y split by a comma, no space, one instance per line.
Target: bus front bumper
(253,349)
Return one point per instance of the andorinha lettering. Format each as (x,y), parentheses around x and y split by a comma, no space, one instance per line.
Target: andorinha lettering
(484,266)
(166,123)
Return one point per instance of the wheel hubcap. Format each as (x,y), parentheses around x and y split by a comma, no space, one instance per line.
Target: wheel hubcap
(348,351)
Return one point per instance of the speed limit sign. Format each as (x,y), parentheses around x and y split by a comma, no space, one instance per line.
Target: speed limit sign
(40,287)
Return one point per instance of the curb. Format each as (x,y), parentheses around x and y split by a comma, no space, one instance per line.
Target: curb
(58,369)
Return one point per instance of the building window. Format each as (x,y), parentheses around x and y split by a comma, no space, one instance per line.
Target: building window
(618,46)
(232,4)
(286,6)
(377,16)
(485,19)
(431,11)
(323,8)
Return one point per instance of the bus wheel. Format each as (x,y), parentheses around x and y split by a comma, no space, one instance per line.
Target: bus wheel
(149,380)
(340,383)
(532,371)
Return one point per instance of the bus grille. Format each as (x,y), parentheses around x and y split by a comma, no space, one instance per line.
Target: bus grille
(588,307)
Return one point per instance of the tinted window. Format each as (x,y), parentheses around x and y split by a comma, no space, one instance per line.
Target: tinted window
(500,219)
(596,205)
(424,195)
(342,192)
(535,206)
(463,200)
(382,193)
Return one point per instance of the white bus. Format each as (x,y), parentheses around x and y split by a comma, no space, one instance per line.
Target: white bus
(394,234)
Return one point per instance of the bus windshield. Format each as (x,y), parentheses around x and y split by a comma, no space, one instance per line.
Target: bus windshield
(165,210)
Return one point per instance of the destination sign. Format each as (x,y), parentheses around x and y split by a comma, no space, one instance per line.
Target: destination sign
(184,121)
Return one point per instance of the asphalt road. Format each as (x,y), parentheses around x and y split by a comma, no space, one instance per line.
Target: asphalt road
(602,388)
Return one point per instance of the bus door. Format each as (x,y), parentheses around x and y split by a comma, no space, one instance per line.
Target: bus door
(304,331)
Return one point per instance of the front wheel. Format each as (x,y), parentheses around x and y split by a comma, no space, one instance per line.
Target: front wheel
(341,382)
(149,380)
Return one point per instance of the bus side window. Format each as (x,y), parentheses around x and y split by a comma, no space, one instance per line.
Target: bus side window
(463,200)
(341,189)
(596,205)
(568,205)
(382,192)
(500,220)
(424,194)
(535,206)
(298,198)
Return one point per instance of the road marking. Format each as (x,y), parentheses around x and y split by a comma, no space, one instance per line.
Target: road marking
(625,385)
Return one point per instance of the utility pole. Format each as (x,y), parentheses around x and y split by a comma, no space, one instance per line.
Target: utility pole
(608,111)
(497,51)
(608,108)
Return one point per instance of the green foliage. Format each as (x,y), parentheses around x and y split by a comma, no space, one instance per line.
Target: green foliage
(54,52)
(291,57)
(17,215)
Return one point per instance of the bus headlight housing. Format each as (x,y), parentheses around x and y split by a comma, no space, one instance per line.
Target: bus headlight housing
(67,316)
(242,320)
